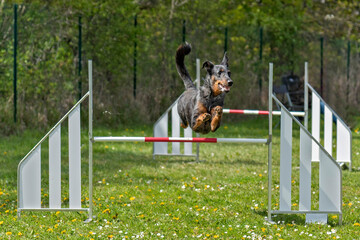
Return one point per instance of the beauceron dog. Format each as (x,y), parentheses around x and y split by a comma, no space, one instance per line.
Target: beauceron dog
(202,108)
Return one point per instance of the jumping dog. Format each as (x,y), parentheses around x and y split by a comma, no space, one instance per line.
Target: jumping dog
(202,108)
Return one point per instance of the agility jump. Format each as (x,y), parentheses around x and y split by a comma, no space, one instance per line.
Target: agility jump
(330,186)
(318,106)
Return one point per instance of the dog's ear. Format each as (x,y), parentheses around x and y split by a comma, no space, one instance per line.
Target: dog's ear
(225,60)
(208,66)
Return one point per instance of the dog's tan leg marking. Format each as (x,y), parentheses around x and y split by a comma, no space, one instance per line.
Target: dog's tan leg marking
(203,117)
(201,107)
(201,120)
(184,126)
(216,114)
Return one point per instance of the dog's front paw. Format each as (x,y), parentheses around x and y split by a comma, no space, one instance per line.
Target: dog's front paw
(216,113)
(217,110)
(205,117)
(201,121)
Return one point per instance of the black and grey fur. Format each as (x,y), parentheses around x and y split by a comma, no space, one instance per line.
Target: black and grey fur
(202,108)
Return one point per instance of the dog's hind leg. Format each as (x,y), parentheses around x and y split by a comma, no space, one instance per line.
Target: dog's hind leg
(216,114)
(182,113)
(183,123)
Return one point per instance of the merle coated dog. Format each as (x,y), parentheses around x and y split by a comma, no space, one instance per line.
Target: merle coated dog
(202,108)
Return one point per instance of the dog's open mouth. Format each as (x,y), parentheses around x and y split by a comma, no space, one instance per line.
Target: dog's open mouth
(224,88)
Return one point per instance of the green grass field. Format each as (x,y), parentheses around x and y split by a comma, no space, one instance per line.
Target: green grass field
(224,196)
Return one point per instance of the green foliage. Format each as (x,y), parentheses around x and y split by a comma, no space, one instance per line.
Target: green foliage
(48,52)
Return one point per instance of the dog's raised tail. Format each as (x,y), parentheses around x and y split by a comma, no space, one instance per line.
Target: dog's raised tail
(181,52)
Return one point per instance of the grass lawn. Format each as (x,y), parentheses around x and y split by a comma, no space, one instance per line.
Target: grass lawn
(224,196)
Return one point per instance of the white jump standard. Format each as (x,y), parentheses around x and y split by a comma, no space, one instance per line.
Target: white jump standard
(29,169)
(330,186)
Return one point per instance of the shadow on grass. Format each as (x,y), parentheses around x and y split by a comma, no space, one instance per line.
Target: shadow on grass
(298,219)
(132,157)
(355,136)
(211,161)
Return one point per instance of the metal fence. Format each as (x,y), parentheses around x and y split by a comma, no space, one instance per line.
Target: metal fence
(136,78)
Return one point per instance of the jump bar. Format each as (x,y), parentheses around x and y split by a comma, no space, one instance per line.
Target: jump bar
(260,112)
(178,139)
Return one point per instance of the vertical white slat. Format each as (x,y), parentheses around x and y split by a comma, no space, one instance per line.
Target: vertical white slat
(305,172)
(328,118)
(55,168)
(306,96)
(329,184)
(30,181)
(188,133)
(343,143)
(315,125)
(74,159)
(175,129)
(285,161)
(161,130)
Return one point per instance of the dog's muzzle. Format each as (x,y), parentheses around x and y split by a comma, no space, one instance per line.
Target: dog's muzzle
(225,85)
(229,84)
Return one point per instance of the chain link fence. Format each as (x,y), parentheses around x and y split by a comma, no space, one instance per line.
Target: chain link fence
(134,65)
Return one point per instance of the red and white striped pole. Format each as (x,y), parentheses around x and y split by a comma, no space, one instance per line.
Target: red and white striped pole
(179,139)
(259,112)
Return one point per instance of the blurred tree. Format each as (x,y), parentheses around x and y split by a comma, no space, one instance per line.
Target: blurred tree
(48,51)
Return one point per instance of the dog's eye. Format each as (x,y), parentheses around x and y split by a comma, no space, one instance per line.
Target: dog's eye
(220,72)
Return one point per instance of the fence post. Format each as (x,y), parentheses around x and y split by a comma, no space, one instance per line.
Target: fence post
(15,61)
(348,73)
(306,96)
(321,66)
(226,40)
(135,55)
(79,70)
(260,59)
(184,31)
